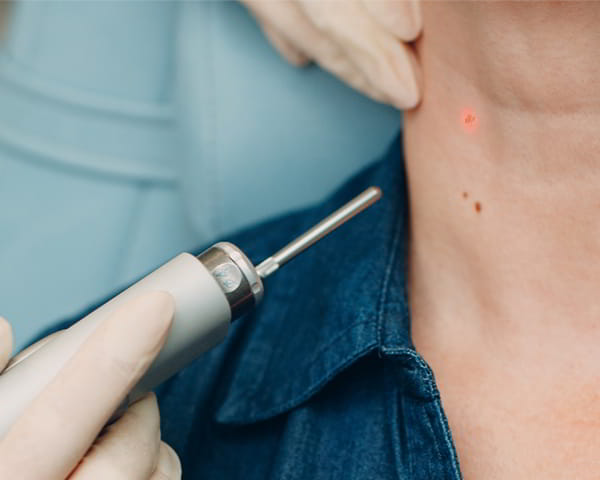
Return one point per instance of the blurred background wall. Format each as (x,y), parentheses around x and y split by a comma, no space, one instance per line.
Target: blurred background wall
(130,131)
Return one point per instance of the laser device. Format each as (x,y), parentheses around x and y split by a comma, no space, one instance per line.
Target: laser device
(210,291)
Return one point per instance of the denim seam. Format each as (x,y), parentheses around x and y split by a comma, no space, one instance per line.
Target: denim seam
(391,405)
(315,356)
(316,386)
(429,423)
(386,283)
(404,351)
(448,440)
(319,383)
(435,396)
(335,339)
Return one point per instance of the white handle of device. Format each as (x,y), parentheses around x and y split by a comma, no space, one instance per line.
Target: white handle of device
(209,290)
(202,318)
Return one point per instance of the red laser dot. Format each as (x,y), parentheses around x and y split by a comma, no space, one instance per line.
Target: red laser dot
(469,120)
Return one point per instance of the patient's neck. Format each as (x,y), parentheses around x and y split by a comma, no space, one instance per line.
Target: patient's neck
(503,161)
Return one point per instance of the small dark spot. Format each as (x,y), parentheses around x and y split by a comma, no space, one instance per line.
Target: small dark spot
(477,207)
(465,195)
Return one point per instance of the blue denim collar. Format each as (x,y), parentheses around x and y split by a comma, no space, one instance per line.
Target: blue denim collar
(340,300)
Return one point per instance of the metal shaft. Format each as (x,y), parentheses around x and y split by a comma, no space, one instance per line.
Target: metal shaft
(320,230)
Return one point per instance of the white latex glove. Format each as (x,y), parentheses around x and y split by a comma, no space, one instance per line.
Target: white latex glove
(363,42)
(57,436)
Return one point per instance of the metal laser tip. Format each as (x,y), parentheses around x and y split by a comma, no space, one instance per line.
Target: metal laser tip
(320,230)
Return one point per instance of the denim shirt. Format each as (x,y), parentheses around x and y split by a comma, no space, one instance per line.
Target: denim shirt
(322,381)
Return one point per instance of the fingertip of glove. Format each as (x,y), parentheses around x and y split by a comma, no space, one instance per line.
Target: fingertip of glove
(6,339)
(148,401)
(415,91)
(169,463)
(402,19)
(4,326)
(159,309)
(404,92)
(142,324)
(165,304)
(411,99)
(285,48)
(414,21)
(411,89)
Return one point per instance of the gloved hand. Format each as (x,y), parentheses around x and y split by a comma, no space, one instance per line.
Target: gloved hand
(57,436)
(364,42)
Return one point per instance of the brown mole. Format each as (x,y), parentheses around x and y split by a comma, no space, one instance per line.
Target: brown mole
(465,195)
(477,207)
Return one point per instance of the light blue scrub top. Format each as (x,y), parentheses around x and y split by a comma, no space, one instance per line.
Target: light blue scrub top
(131,131)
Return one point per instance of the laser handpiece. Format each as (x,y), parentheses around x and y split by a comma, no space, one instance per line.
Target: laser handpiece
(210,291)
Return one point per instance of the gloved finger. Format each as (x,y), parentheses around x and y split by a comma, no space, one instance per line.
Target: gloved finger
(169,466)
(344,68)
(302,32)
(128,449)
(388,64)
(265,14)
(5,342)
(30,350)
(334,60)
(284,47)
(401,18)
(56,430)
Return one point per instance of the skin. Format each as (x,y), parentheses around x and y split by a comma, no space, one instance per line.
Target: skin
(505,298)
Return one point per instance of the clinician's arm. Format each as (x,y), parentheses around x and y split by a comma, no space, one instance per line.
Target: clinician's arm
(57,436)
